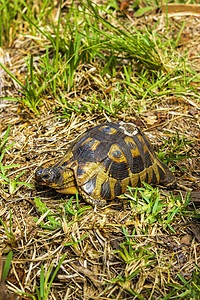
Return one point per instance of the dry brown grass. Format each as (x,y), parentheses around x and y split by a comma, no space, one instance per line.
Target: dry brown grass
(92,267)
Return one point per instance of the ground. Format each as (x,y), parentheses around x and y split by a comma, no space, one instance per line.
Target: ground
(145,244)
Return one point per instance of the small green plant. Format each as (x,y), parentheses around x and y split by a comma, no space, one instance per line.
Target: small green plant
(65,210)
(135,259)
(30,91)
(186,289)
(11,17)
(12,240)
(124,283)
(53,220)
(130,255)
(8,185)
(177,148)
(74,210)
(147,202)
(153,207)
(46,280)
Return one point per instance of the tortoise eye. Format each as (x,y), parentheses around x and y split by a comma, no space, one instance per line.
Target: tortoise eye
(45,176)
(39,172)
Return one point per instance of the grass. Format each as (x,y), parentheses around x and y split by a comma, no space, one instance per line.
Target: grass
(72,67)
(8,185)
(65,210)
(79,40)
(179,146)
(46,280)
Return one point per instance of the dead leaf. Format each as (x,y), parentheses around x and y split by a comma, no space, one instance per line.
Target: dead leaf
(186,239)
(124,5)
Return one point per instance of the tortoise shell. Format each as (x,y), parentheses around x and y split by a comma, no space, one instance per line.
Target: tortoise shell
(103,161)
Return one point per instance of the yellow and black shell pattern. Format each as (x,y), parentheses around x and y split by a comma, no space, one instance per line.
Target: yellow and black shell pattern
(109,157)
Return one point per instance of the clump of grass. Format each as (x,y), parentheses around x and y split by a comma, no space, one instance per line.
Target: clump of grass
(127,43)
(46,280)
(11,16)
(147,201)
(177,148)
(187,289)
(8,185)
(11,237)
(55,221)
(9,20)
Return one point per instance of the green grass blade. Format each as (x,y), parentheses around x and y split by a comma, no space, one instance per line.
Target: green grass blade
(7,265)
(13,77)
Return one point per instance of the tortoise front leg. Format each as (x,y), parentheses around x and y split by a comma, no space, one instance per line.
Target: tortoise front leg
(89,199)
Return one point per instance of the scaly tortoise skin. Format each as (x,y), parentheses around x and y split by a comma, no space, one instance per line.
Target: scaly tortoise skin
(103,161)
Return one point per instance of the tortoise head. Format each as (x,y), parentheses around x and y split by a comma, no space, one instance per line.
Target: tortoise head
(58,178)
(49,176)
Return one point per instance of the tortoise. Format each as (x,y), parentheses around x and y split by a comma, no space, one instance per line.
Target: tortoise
(104,161)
